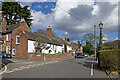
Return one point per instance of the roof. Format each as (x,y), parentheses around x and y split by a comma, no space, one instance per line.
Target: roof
(10,28)
(33,36)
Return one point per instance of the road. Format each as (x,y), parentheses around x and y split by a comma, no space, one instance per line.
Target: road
(74,68)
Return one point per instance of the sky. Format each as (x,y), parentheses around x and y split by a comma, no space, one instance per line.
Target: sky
(74,18)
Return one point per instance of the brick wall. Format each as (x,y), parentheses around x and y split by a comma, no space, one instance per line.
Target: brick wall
(21,50)
(6,43)
(50,57)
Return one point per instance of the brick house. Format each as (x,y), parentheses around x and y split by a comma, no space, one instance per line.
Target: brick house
(15,41)
(20,41)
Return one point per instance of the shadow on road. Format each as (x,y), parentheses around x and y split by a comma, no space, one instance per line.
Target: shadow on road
(88,64)
(4,61)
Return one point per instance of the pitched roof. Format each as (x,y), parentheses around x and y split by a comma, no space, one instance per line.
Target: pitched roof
(33,36)
(12,27)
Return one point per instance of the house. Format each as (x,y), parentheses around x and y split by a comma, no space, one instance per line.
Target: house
(15,42)
(20,41)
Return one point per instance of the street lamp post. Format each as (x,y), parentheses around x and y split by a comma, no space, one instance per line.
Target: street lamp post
(100,26)
(95,42)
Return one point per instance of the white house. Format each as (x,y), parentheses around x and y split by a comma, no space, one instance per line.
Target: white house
(50,47)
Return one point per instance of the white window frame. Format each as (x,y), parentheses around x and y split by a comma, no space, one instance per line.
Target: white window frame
(8,49)
(13,53)
(16,39)
(8,37)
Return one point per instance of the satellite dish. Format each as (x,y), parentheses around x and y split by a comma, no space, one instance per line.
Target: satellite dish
(104,38)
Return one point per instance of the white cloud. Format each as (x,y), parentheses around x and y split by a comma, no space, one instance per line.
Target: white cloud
(41,20)
(95,9)
(87,13)
(66,32)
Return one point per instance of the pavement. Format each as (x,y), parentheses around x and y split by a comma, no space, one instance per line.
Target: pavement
(74,68)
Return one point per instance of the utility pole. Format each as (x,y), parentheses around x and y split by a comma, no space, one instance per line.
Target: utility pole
(95,42)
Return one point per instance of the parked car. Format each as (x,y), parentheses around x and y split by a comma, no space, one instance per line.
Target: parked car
(79,55)
(85,55)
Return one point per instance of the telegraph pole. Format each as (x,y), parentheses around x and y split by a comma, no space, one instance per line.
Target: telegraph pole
(95,42)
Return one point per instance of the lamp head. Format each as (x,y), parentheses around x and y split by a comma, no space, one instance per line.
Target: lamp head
(101,25)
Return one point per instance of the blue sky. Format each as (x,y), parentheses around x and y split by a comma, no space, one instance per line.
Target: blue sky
(49,10)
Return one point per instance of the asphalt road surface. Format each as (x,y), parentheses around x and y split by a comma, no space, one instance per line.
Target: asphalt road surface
(74,68)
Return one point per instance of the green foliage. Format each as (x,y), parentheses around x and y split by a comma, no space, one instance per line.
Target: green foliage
(109,59)
(40,43)
(89,37)
(88,48)
(68,39)
(110,47)
(13,12)
(65,47)
(78,42)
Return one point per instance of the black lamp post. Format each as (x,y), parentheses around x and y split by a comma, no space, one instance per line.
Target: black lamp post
(100,26)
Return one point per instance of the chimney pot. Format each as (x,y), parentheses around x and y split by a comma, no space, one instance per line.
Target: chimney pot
(22,20)
(4,19)
(65,39)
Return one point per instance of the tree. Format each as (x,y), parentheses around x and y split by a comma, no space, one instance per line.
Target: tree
(65,45)
(88,48)
(13,12)
(68,39)
(40,44)
(89,38)
(78,42)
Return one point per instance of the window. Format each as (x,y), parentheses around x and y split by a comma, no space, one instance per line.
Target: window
(7,49)
(17,39)
(13,52)
(8,37)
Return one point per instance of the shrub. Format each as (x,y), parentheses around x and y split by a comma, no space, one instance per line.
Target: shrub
(110,59)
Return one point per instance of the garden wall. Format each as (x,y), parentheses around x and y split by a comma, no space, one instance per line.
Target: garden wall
(50,57)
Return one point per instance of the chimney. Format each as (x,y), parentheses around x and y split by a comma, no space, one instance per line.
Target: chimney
(60,39)
(49,32)
(4,24)
(65,39)
(53,37)
(24,26)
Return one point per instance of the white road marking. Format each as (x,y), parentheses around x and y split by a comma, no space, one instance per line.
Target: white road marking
(92,69)
(4,69)
(26,67)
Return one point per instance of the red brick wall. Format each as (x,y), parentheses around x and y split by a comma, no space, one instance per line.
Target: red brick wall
(21,50)
(6,43)
(4,24)
(50,57)
(24,26)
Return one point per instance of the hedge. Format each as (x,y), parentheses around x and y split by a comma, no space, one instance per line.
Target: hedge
(110,60)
